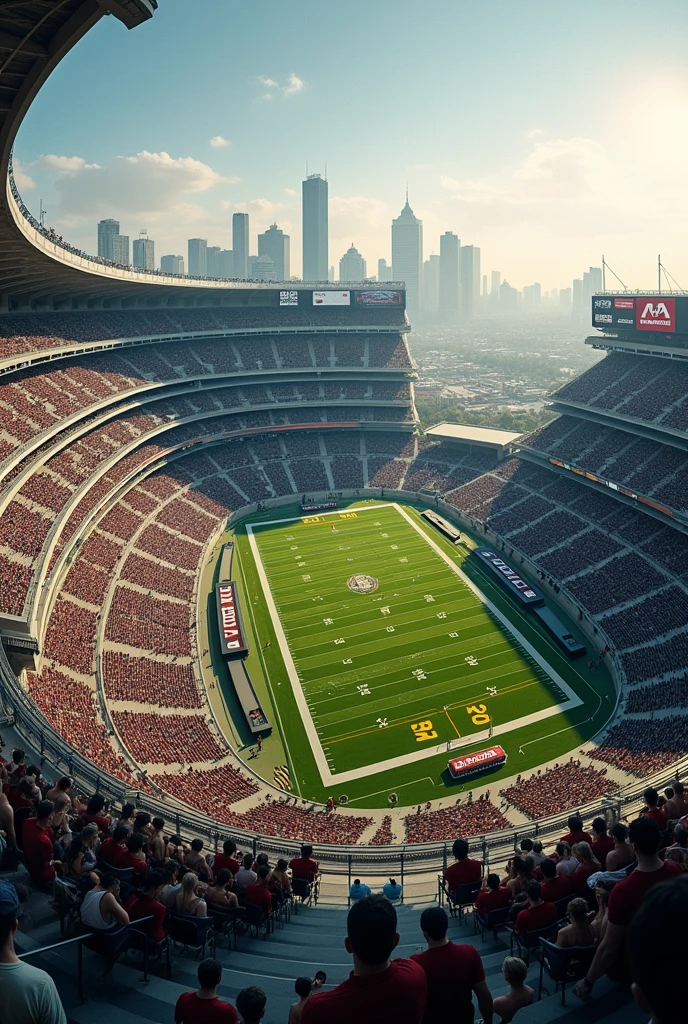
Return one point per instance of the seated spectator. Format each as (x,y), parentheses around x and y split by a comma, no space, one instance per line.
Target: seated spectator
(453,973)
(145,903)
(61,800)
(8,853)
(522,873)
(603,843)
(358,890)
(29,995)
(280,878)
(203,1006)
(622,854)
(538,914)
(77,867)
(133,855)
(100,908)
(656,949)
(126,818)
(392,890)
(465,870)
(576,833)
(493,897)
(175,849)
(304,866)
(566,863)
(678,852)
(599,924)
(227,858)
(624,901)
(188,901)
(579,931)
(195,861)
(112,848)
(303,988)
(588,864)
(251,1004)
(379,989)
(653,810)
(157,843)
(17,764)
(259,893)
(37,843)
(219,895)
(93,813)
(245,876)
(676,806)
(554,887)
(537,854)
(171,884)
(519,995)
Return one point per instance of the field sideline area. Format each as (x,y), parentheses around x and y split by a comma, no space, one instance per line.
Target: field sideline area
(386,651)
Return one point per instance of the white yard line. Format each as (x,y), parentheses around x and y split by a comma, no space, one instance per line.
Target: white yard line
(329,777)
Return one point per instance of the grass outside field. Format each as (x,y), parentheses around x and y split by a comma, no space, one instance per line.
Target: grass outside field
(381,693)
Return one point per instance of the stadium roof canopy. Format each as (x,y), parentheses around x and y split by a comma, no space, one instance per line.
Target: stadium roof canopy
(483,437)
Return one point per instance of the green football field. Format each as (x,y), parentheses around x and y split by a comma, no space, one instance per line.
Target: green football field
(387,684)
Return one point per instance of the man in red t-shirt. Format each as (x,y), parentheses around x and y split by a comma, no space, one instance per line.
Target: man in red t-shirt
(304,866)
(378,989)
(651,798)
(226,859)
(114,847)
(144,903)
(453,972)
(37,843)
(625,899)
(203,1006)
(575,833)
(131,856)
(603,843)
(465,870)
(538,914)
(554,887)
(258,893)
(492,898)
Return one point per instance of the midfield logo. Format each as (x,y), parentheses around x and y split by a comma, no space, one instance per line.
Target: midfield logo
(656,314)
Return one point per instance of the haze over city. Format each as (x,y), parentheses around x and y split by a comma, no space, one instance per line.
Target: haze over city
(526,130)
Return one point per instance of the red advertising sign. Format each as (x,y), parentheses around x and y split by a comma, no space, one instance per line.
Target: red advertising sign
(623,303)
(469,764)
(229,620)
(655,314)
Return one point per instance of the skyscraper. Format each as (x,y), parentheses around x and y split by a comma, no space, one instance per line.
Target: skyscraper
(431,285)
(275,244)
(495,281)
(449,273)
(240,244)
(212,261)
(120,249)
(198,264)
(225,263)
(352,266)
(577,294)
(384,271)
(172,264)
(315,228)
(144,252)
(262,268)
(469,273)
(106,229)
(407,255)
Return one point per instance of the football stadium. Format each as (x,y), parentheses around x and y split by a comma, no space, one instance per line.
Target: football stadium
(244,596)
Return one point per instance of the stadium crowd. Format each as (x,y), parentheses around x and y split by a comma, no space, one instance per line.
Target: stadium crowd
(643,746)
(557,788)
(470,818)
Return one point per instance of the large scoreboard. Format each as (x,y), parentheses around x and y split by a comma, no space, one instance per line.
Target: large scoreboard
(646,314)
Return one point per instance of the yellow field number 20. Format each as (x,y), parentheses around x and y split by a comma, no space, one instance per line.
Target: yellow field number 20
(423,731)
(478,713)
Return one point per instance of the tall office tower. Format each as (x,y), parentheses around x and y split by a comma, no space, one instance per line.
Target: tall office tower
(330,274)
(595,279)
(469,274)
(554,297)
(449,273)
(532,295)
(587,288)
(225,263)
(120,249)
(431,285)
(565,299)
(577,294)
(315,228)
(240,244)
(508,296)
(484,285)
(172,264)
(144,251)
(212,261)
(352,266)
(495,281)
(407,255)
(106,229)
(262,268)
(275,244)
(198,264)
(384,271)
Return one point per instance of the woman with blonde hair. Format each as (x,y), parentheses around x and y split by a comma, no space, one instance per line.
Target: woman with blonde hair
(588,864)
(188,901)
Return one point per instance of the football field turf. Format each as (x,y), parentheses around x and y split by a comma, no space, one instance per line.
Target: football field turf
(393,676)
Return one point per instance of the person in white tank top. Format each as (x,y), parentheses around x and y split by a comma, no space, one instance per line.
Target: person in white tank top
(100,907)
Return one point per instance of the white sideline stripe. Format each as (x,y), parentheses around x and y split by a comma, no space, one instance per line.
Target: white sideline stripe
(328,777)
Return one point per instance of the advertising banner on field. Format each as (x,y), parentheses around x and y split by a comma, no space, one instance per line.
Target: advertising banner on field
(331,298)
(288,298)
(510,579)
(470,764)
(230,626)
(379,297)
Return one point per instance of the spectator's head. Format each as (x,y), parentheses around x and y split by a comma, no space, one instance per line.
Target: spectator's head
(223,877)
(575,824)
(262,859)
(170,870)
(229,847)
(525,866)
(64,784)
(307,851)
(460,849)
(89,833)
(152,883)
(651,797)
(493,882)
(599,826)
(514,971)
(533,891)
(669,793)
(537,846)
(681,836)
(109,882)
(18,756)
(189,885)
(433,924)
(645,837)
(678,789)
(196,845)
(281,865)
(263,873)
(251,1004)
(209,974)
(141,821)
(562,850)
(371,931)
(526,845)
(9,914)
(302,987)
(583,852)
(44,812)
(158,824)
(127,811)
(619,832)
(357,881)
(656,949)
(247,861)
(119,833)
(135,843)
(578,910)
(95,804)
(548,869)
(393,882)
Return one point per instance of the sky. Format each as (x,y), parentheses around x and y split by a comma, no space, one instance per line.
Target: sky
(546,132)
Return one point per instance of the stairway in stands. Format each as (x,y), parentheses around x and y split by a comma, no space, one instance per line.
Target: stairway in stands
(312,941)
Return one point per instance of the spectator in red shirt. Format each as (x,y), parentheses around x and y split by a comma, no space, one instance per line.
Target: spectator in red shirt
(227,858)
(453,973)
(554,887)
(145,903)
(603,843)
(575,833)
(622,854)
(657,952)
(378,989)
(203,1006)
(93,813)
(251,1004)
(493,897)
(625,899)
(37,843)
(464,870)
(304,866)
(651,798)
(133,855)
(258,893)
(538,914)
(588,864)
(112,848)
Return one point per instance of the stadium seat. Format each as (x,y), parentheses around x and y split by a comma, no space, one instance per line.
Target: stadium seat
(563,964)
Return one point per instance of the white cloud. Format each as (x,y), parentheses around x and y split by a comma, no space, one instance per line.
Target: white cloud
(293,85)
(533,133)
(218,142)
(269,83)
(23,180)
(289,191)
(64,164)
